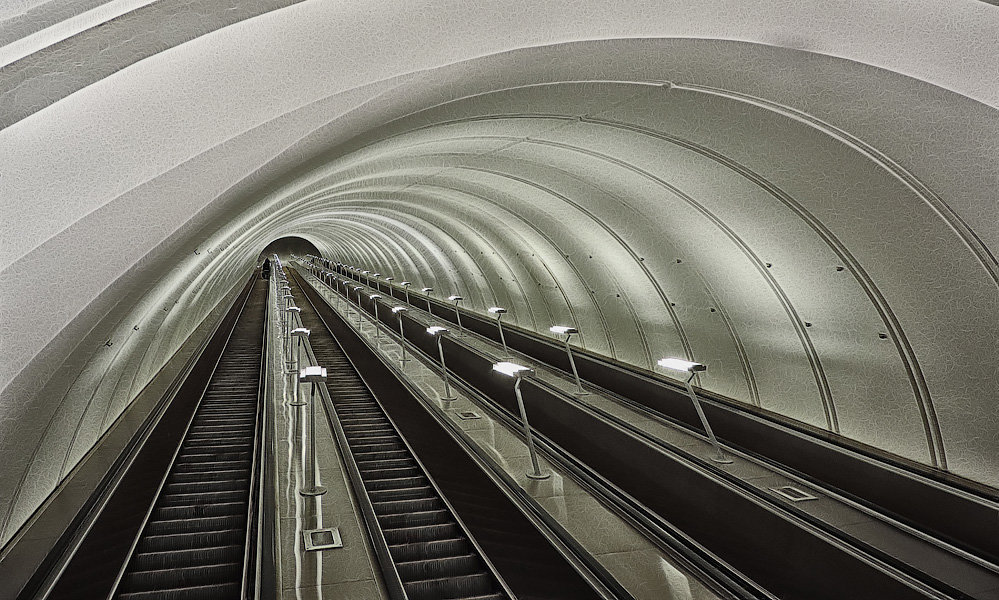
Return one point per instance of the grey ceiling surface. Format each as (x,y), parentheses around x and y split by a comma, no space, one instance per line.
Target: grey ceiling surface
(808,205)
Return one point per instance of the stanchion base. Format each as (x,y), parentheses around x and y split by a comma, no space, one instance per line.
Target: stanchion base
(578,393)
(297,403)
(316,491)
(448,399)
(538,476)
(722,460)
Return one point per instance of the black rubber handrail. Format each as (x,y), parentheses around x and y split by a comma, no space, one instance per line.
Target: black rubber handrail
(250,588)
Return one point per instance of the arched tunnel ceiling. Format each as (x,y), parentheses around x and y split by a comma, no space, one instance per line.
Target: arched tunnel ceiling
(802,197)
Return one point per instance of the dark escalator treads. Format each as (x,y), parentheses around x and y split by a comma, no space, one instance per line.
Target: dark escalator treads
(193,546)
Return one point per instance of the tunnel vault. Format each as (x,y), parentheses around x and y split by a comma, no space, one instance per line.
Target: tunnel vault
(770,212)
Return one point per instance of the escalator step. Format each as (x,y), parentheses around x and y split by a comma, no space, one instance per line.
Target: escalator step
(383,454)
(195,525)
(194,476)
(426,533)
(397,473)
(462,586)
(397,506)
(410,493)
(203,592)
(190,541)
(201,498)
(415,519)
(228,485)
(186,558)
(142,581)
(434,549)
(392,463)
(221,509)
(438,568)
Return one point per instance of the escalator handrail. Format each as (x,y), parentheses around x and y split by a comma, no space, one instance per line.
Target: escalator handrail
(254,514)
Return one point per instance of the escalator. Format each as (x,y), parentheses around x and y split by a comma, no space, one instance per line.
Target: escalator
(177,519)
(432,553)
(194,542)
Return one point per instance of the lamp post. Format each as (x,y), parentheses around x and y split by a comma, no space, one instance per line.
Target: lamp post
(378,285)
(567,332)
(439,332)
(519,372)
(367,281)
(405,285)
(312,375)
(388,284)
(427,291)
(693,369)
(457,315)
(299,333)
(499,312)
(287,328)
(358,290)
(378,330)
(398,310)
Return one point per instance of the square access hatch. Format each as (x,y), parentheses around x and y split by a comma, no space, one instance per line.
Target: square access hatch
(322,539)
(789,492)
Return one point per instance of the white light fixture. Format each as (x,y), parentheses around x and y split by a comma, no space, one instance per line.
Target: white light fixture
(301,332)
(512,369)
(678,364)
(405,283)
(568,332)
(313,374)
(519,372)
(457,315)
(499,311)
(398,309)
(436,329)
(374,296)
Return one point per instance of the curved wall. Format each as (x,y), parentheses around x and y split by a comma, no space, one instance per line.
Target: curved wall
(820,231)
